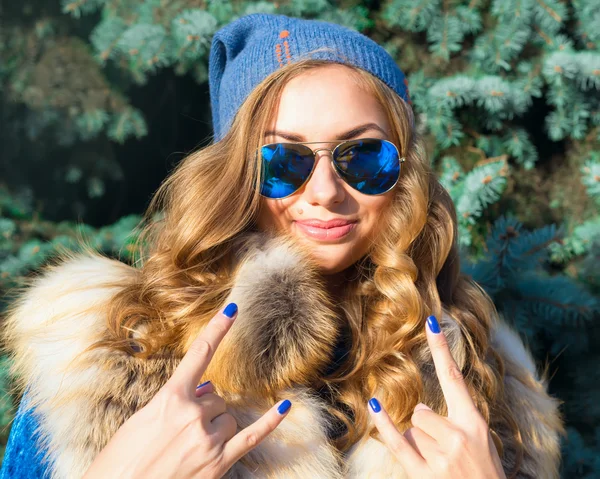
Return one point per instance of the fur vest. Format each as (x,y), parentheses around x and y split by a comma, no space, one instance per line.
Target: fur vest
(284,335)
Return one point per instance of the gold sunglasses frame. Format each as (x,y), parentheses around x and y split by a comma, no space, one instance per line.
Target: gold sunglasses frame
(401,160)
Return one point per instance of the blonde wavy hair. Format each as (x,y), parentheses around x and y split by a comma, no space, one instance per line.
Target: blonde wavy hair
(212,197)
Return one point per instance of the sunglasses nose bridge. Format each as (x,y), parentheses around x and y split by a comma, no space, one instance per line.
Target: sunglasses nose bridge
(331,151)
(331,162)
(320,149)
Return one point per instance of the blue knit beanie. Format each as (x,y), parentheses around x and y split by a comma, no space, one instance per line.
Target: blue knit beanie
(247,50)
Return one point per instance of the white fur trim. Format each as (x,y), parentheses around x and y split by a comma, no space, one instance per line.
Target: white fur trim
(510,343)
(49,326)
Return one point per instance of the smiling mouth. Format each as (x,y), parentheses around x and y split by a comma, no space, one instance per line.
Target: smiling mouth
(324,231)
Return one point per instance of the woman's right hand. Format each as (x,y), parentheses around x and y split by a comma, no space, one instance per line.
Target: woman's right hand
(184,432)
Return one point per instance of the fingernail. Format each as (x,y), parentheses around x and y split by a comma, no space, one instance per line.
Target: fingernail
(284,406)
(230,310)
(433,324)
(375,406)
(420,406)
(203,384)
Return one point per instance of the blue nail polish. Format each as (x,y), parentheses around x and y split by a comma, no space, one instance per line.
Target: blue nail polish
(433,324)
(204,383)
(375,406)
(230,310)
(284,406)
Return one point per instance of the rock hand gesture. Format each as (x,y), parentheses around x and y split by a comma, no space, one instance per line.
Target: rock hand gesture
(185,431)
(456,446)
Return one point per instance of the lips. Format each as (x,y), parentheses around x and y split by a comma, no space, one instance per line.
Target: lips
(326,230)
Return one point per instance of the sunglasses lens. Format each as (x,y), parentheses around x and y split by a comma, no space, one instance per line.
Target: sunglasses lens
(285,168)
(370,166)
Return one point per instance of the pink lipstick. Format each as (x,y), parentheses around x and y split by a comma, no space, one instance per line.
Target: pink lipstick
(326,230)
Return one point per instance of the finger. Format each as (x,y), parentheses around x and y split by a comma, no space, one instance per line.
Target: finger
(458,398)
(206,387)
(423,443)
(250,437)
(211,406)
(408,457)
(196,360)
(224,426)
(432,424)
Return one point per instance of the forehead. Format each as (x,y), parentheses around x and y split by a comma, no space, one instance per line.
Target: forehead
(327,100)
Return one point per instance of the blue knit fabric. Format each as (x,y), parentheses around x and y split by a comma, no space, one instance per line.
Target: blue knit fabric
(23,458)
(247,50)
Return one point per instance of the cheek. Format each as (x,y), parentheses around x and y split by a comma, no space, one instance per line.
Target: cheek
(274,214)
(372,209)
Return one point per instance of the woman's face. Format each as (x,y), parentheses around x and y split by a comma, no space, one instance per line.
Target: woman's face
(322,105)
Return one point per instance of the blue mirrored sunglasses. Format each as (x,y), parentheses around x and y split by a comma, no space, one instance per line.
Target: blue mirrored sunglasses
(369,165)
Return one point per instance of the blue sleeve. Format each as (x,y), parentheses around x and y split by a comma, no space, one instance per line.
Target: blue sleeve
(23,458)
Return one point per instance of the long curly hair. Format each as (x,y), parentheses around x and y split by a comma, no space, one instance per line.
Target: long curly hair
(412,270)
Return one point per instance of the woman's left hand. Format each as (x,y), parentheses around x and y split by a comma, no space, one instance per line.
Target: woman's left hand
(457,446)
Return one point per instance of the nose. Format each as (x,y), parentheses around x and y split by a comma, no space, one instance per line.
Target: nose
(324,187)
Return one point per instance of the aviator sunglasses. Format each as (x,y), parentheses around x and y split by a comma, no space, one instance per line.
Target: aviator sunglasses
(369,165)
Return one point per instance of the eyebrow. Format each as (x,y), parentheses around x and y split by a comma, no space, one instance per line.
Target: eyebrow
(357,130)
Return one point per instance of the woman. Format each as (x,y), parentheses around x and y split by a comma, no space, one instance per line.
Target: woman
(316,212)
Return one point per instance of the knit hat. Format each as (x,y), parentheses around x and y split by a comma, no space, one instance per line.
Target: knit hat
(247,50)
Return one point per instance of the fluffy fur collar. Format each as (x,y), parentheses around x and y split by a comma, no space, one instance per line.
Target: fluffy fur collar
(283,338)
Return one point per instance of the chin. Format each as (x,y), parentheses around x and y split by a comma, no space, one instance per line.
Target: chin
(331,261)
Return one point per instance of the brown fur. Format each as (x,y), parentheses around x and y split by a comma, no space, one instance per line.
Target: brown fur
(285,330)
(277,348)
